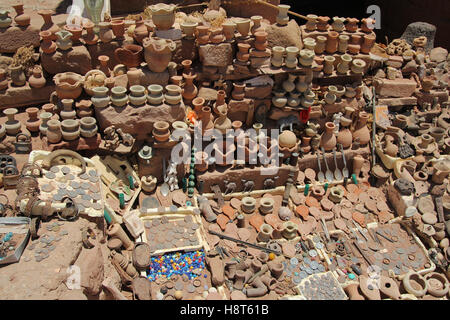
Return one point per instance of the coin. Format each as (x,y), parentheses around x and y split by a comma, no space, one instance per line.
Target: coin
(50,175)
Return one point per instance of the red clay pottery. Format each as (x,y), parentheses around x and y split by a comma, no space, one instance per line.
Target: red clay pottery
(33,121)
(90,37)
(140,32)
(21,18)
(161,131)
(362,132)
(118,28)
(37,80)
(131,55)
(47,45)
(48,22)
(332,42)
(328,140)
(158,53)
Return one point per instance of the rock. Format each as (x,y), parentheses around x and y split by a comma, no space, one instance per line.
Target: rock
(90,263)
(258,92)
(73,295)
(216,55)
(410,67)
(138,121)
(284,36)
(15,37)
(25,96)
(418,29)
(438,54)
(77,59)
(395,62)
(395,88)
(208,94)
(248,9)
(217,271)
(404,186)
(380,74)
(148,77)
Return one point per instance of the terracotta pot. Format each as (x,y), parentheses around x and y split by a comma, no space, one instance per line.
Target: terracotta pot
(17,75)
(67,112)
(163,15)
(21,18)
(243,26)
(134,76)
(358,66)
(345,137)
(202,34)
(37,80)
(90,38)
(118,28)
(256,27)
(53,132)
(173,95)
(362,132)
(158,53)
(140,31)
(47,45)
(321,43)
(155,96)
(328,140)
(105,33)
(70,129)
(207,119)
(100,99)
(51,108)
(352,25)
(48,23)
(238,91)
(76,32)
(33,121)
(161,131)
(3,79)
(68,85)
(104,60)
(216,35)
(88,127)
(137,96)
(45,118)
(187,66)
(332,42)
(369,41)
(338,24)
(222,123)
(5,20)
(190,90)
(343,43)
(220,100)
(367,25)
(198,104)
(322,23)
(229,28)
(131,55)
(84,108)
(243,53)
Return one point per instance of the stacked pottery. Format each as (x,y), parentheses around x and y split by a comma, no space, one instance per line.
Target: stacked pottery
(344,66)
(289,84)
(45,118)
(161,131)
(118,28)
(100,99)
(362,131)
(158,53)
(332,42)
(50,107)
(220,101)
(343,43)
(257,27)
(173,95)
(189,90)
(76,32)
(163,15)
(53,131)
(321,43)
(278,56)
(33,121)
(329,65)
(106,34)
(22,19)
(188,29)
(216,35)
(328,139)
(291,57)
(70,129)
(67,112)
(64,41)
(306,57)
(130,55)
(238,92)
(155,96)
(5,20)
(17,75)
(322,23)
(260,43)
(282,17)
(294,100)
(338,24)
(134,76)
(229,28)
(198,104)
(88,127)
(137,96)
(311,23)
(309,43)
(90,38)
(243,27)
(12,125)
(119,96)
(47,45)
(308,98)
(3,80)
(358,66)
(354,47)
(48,22)
(37,80)
(352,25)
(84,108)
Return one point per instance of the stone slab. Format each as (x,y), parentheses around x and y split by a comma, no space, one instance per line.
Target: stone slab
(395,88)
(13,38)
(398,102)
(220,55)
(25,96)
(77,59)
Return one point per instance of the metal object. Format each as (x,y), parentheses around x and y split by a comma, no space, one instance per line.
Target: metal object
(345,170)
(328,174)
(325,229)
(165,186)
(360,230)
(358,239)
(320,175)
(244,242)
(23,143)
(378,232)
(10,177)
(337,173)
(6,160)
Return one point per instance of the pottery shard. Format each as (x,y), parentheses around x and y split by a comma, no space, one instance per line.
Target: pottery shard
(438,54)
(77,59)
(222,221)
(288,249)
(229,211)
(244,234)
(284,36)
(217,270)
(216,55)
(13,38)
(90,262)
(256,221)
(395,88)
(138,121)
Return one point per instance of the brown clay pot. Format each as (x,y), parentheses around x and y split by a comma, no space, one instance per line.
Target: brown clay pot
(90,37)
(362,131)
(365,24)
(332,42)
(158,53)
(131,55)
(106,34)
(84,108)
(322,23)
(369,41)
(140,31)
(198,104)
(118,28)
(352,25)
(48,22)
(202,34)
(207,119)
(161,131)
(104,60)
(21,18)
(37,80)
(68,85)
(238,91)
(216,35)
(190,90)
(76,32)
(47,45)
(328,140)
(53,133)
(353,292)
(33,121)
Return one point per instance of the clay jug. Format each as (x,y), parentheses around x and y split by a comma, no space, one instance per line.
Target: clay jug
(17,75)
(328,139)
(37,80)
(67,112)
(5,20)
(222,123)
(104,60)
(21,18)
(53,131)
(84,108)
(48,22)
(190,90)
(118,28)
(3,80)
(33,121)
(188,29)
(140,31)
(243,26)
(243,53)
(219,101)
(161,131)
(47,45)
(158,53)
(362,132)
(321,43)
(278,56)
(390,149)
(207,119)
(90,37)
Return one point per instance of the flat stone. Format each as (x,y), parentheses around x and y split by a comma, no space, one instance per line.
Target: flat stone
(77,59)
(395,88)
(438,54)
(25,95)
(216,55)
(15,37)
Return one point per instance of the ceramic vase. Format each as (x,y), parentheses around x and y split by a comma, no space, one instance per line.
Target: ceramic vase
(48,22)
(76,32)
(328,139)
(17,75)
(155,96)
(188,29)
(53,132)
(37,80)
(278,56)
(311,23)
(173,95)
(64,41)
(161,131)
(362,131)
(294,100)
(222,123)
(256,24)
(332,42)
(45,118)
(322,23)
(70,129)
(321,43)
(229,28)
(158,53)
(282,17)
(338,24)
(67,112)
(137,96)
(106,34)
(22,19)
(291,60)
(355,46)
(368,43)
(47,45)
(33,122)
(68,85)
(5,20)
(343,43)
(100,99)
(352,25)
(358,66)
(220,101)
(306,57)
(260,43)
(329,65)
(118,28)
(202,35)
(243,26)
(344,66)
(163,15)
(309,43)
(207,119)
(289,83)
(238,92)
(280,99)
(88,127)
(189,90)
(140,32)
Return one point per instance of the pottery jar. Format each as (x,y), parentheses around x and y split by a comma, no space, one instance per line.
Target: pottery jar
(118,28)
(289,84)
(3,79)
(308,98)
(189,90)
(119,97)
(289,230)
(137,97)
(84,108)
(17,75)
(101,98)
(329,65)
(21,18)
(328,139)
(50,107)
(345,136)
(332,42)
(163,15)
(201,163)
(155,96)
(202,34)
(260,43)
(76,32)
(53,131)
(220,100)
(256,24)
(390,148)
(134,76)
(106,34)
(441,170)
(368,43)
(48,22)
(222,123)
(88,127)
(291,57)
(338,24)
(293,99)
(131,55)
(362,132)
(311,23)
(70,129)
(368,24)
(280,99)
(438,134)
(104,60)
(33,122)
(343,43)
(352,25)
(358,163)
(64,41)
(282,17)
(90,37)
(206,118)
(67,112)
(216,36)
(266,205)
(5,20)
(37,80)
(47,45)
(358,66)
(45,118)
(140,31)
(243,53)
(188,29)
(355,44)
(229,28)
(158,53)
(322,23)
(277,56)
(243,26)
(198,104)
(68,85)
(173,95)
(161,131)
(321,43)
(302,86)
(238,92)
(330,98)
(344,66)
(306,57)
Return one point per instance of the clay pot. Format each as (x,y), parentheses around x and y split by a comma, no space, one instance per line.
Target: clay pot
(390,149)
(332,42)
(306,57)
(309,43)
(353,292)
(131,55)
(104,60)
(118,28)
(289,230)
(367,25)
(344,66)
(216,36)
(206,118)
(137,97)
(441,170)
(243,26)
(198,104)
(260,40)
(352,25)
(229,28)
(328,139)
(338,24)
(190,90)
(280,99)
(68,85)
(311,23)
(50,107)
(427,84)
(321,43)
(343,43)
(265,233)
(291,60)
(358,162)
(134,76)
(5,20)
(222,123)
(53,131)
(48,23)
(248,205)
(173,95)
(362,132)
(47,45)
(64,41)
(140,31)
(161,131)
(188,29)
(329,64)
(163,15)
(238,91)
(119,96)
(84,108)
(220,100)
(90,38)
(3,80)
(358,66)
(76,32)
(17,75)
(67,112)
(438,134)
(70,129)
(88,127)
(369,41)
(256,27)
(33,121)
(155,96)
(266,205)
(158,53)
(45,118)
(37,80)
(106,34)
(202,34)
(282,17)
(21,18)
(278,56)
(322,23)
(243,53)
